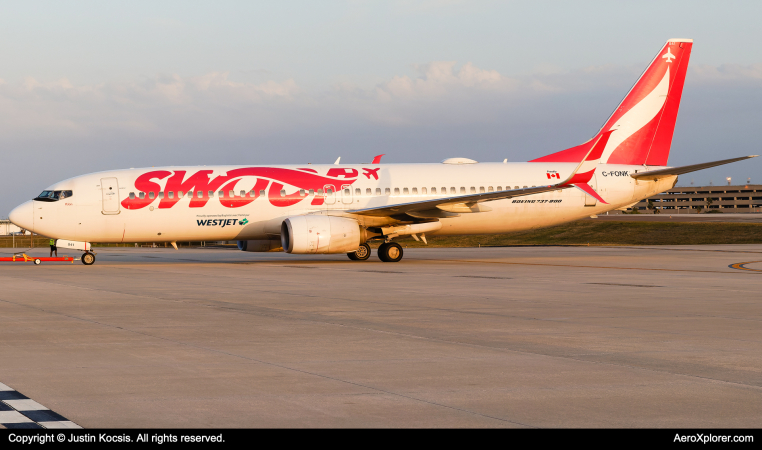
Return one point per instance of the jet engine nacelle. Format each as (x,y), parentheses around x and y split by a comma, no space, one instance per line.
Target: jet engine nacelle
(319,234)
(261,245)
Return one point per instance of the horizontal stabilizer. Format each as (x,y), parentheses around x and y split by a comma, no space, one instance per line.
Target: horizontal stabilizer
(661,173)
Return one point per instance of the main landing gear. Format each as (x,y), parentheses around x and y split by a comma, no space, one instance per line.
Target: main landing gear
(361,254)
(387,252)
(390,252)
(88,259)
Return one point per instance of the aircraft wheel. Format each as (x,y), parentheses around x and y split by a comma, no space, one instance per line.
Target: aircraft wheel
(361,254)
(88,259)
(382,252)
(37,262)
(390,252)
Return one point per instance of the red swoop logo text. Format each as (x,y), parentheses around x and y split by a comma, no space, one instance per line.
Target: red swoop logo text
(252,180)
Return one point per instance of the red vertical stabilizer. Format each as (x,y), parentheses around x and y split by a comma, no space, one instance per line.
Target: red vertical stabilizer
(645,120)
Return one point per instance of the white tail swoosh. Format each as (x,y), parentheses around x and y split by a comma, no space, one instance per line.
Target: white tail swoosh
(637,117)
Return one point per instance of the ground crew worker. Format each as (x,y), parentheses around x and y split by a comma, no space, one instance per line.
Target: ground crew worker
(53,248)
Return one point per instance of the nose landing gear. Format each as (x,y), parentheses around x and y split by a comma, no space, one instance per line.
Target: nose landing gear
(88,258)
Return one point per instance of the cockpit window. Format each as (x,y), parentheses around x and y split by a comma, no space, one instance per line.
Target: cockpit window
(53,196)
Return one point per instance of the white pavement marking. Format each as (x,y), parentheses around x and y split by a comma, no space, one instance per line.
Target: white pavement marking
(62,424)
(25,405)
(34,412)
(13,417)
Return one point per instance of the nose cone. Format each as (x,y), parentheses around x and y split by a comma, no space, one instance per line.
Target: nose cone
(22,216)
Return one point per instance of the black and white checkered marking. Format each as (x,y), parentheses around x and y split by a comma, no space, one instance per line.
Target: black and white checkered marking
(19,411)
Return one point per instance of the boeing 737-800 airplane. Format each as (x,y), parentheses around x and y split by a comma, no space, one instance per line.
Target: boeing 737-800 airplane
(340,208)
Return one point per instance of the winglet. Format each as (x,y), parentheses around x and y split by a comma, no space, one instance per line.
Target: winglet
(377,158)
(337,160)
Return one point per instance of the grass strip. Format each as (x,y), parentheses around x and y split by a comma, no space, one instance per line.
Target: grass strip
(610,233)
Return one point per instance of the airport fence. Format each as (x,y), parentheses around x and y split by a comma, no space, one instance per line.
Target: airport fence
(24,242)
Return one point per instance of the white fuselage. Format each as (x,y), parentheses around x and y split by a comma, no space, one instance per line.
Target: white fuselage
(101,209)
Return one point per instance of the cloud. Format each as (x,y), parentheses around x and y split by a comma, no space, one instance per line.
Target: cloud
(213,104)
(440,78)
(152,106)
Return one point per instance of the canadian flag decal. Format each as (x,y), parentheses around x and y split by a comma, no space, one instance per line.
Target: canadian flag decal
(554,175)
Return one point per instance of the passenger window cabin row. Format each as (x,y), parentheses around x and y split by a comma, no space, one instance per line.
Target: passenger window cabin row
(302,192)
(432,191)
(198,194)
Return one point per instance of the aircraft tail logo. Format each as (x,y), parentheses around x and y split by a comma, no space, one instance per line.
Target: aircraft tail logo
(669,56)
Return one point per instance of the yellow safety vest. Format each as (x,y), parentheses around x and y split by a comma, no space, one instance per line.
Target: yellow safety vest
(52,242)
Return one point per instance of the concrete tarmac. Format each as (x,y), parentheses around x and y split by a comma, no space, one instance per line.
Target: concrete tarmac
(490,337)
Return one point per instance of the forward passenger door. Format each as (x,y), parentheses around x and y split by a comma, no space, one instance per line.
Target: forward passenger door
(110,195)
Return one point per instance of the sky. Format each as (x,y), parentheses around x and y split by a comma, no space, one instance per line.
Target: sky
(88,85)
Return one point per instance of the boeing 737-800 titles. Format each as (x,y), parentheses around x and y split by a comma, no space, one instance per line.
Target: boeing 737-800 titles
(309,209)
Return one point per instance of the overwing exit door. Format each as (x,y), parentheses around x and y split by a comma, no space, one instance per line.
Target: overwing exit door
(346,194)
(330,194)
(110,195)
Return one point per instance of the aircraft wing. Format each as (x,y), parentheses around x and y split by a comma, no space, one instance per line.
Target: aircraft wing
(450,206)
(660,173)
